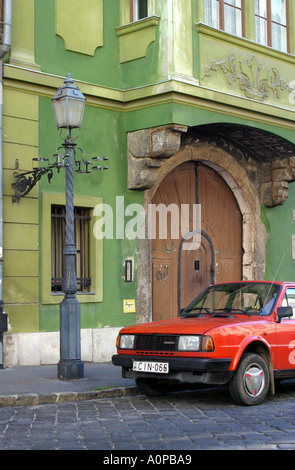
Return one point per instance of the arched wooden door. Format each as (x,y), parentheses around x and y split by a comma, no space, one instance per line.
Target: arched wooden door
(179,275)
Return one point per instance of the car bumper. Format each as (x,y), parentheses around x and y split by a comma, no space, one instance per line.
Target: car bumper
(181,369)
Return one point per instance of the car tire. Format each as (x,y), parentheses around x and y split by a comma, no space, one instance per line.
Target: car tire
(152,387)
(250,383)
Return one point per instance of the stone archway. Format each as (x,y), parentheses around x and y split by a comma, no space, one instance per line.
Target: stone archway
(149,169)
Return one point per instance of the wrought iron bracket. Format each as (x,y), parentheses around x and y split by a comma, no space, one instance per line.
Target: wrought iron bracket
(25,182)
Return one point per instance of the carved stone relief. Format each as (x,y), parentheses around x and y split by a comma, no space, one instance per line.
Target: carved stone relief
(255,81)
(147,150)
(277,174)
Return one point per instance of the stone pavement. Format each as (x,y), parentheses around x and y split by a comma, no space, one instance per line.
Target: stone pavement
(205,419)
(104,412)
(32,385)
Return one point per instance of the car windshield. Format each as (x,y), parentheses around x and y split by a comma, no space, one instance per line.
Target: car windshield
(248,298)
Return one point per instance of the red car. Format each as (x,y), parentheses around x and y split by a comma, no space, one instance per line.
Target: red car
(239,333)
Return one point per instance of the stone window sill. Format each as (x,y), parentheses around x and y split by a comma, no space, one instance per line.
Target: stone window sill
(135,38)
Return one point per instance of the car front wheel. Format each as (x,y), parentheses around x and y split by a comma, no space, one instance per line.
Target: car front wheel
(250,383)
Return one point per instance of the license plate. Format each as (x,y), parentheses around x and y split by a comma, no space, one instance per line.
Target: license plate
(155,367)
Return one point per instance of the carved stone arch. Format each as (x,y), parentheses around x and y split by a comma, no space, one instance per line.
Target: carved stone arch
(254,233)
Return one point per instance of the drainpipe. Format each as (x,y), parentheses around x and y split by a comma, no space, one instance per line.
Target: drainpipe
(4,49)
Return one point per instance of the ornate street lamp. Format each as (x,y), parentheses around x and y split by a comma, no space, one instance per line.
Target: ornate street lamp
(68,104)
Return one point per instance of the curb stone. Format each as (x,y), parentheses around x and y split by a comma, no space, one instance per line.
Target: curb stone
(33,399)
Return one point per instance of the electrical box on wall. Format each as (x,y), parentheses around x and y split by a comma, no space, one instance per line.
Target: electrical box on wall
(128,270)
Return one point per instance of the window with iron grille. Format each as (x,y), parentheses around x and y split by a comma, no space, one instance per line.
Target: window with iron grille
(82,240)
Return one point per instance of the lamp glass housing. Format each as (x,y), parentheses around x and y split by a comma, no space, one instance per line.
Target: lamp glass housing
(68,104)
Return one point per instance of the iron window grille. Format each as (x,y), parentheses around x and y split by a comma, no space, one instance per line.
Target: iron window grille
(82,241)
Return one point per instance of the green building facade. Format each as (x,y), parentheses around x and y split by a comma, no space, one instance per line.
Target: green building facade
(191,82)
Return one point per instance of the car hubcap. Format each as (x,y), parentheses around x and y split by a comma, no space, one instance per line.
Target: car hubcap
(254,380)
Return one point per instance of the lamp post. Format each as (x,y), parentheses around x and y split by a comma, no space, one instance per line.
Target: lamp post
(69,105)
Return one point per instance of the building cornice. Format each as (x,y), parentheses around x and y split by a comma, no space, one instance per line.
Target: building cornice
(178,90)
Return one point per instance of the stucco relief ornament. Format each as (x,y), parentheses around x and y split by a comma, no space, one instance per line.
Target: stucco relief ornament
(255,81)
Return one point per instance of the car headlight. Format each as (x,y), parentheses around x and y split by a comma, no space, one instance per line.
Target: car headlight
(195,343)
(126,342)
(189,343)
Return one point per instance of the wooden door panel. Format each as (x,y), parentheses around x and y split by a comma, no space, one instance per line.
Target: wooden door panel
(177,188)
(195,272)
(164,297)
(226,270)
(221,221)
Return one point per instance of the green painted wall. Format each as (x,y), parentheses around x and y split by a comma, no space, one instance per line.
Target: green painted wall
(280,228)
(102,133)
(52,56)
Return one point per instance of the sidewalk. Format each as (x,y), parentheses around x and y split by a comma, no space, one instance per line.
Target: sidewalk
(35,385)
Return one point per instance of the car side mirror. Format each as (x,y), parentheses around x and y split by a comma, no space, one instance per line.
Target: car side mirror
(284,312)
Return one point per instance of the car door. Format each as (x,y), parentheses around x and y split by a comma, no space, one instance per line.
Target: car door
(286,335)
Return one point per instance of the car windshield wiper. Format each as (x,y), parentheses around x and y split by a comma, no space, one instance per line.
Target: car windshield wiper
(195,312)
(229,310)
(226,311)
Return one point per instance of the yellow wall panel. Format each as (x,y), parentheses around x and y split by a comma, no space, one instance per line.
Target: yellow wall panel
(20,237)
(20,263)
(23,318)
(15,154)
(18,290)
(25,212)
(20,131)
(20,104)
(80,28)
(23,38)
(20,231)
(8,180)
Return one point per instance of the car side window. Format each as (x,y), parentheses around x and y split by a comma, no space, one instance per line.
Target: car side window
(289,300)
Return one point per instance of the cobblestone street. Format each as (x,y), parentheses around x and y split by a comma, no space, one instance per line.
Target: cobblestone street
(185,421)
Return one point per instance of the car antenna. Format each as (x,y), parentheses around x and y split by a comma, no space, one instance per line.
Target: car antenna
(273,281)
